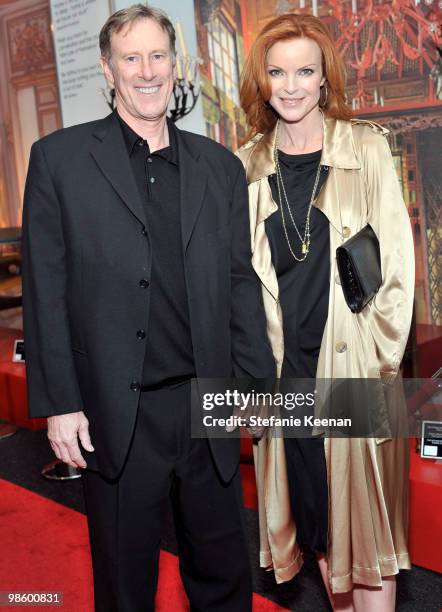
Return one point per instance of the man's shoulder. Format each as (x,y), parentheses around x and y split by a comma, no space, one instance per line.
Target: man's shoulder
(71,135)
(207,147)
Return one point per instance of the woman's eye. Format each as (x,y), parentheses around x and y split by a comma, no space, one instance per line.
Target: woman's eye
(307,71)
(274,72)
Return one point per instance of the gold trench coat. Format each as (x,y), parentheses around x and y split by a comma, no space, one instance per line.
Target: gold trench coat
(367,478)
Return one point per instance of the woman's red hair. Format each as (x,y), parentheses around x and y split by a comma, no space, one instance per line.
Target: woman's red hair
(255,83)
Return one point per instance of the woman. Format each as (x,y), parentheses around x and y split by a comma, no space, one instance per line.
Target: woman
(316,177)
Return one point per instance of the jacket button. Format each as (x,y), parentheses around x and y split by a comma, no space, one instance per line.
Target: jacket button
(135,386)
(341,347)
(141,334)
(144,283)
(346,231)
(144,231)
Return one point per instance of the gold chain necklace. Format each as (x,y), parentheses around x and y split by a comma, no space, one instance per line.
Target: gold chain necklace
(305,241)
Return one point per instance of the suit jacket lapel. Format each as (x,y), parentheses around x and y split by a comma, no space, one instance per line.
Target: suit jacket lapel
(110,153)
(193,183)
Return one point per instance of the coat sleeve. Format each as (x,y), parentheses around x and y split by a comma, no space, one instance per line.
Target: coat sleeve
(389,314)
(51,377)
(251,352)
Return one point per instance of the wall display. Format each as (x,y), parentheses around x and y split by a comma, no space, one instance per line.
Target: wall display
(18,355)
(431,445)
(76,25)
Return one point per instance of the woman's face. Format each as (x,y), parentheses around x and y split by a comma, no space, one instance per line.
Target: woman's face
(295,72)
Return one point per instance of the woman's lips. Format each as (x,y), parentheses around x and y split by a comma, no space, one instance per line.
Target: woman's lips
(291,101)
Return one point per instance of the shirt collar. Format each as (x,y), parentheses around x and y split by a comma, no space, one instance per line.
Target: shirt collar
(131,138)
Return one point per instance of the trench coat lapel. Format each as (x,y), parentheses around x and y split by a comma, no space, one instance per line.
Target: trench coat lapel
(338,152)
(261,253)
(110,153)
(260,165)
(338,149)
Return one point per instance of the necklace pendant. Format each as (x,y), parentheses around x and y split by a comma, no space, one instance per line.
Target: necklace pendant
(304,248)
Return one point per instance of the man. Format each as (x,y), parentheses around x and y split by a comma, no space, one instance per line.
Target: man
(137,278)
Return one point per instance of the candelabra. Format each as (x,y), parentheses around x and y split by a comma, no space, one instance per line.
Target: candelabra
(109,95)
(187,87)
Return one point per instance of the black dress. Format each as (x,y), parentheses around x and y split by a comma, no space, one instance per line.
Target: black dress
(303,295)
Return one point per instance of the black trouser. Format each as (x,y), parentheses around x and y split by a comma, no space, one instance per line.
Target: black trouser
(307,476)
(125,516)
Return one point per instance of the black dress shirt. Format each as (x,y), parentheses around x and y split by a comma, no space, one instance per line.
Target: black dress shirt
(303,286)
(303,294)
(169,353)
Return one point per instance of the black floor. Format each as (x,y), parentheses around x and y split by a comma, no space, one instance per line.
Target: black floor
(23,455)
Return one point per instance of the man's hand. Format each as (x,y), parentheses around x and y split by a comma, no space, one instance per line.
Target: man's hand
(244,412)
(63,433)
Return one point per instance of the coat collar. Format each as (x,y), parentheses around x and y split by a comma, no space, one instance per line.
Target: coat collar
(338,150)
(110,153)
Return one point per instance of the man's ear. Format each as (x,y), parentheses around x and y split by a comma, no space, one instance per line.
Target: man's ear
(107,71)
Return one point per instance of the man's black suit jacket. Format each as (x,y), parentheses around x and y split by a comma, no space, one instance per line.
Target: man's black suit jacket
(86,248)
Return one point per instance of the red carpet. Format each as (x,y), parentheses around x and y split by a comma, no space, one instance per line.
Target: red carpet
(45,547)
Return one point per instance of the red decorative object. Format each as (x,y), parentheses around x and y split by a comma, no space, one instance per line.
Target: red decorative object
(13,401)
(375,35)
(30,42)
(425,514)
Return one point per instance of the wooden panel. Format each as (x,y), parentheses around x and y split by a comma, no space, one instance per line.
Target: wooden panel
(28,120)
(48,121)
(406,90)
(46,95)
(30,42)
(47,107)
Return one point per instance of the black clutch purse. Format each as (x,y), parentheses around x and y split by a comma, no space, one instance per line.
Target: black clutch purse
(359,267)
